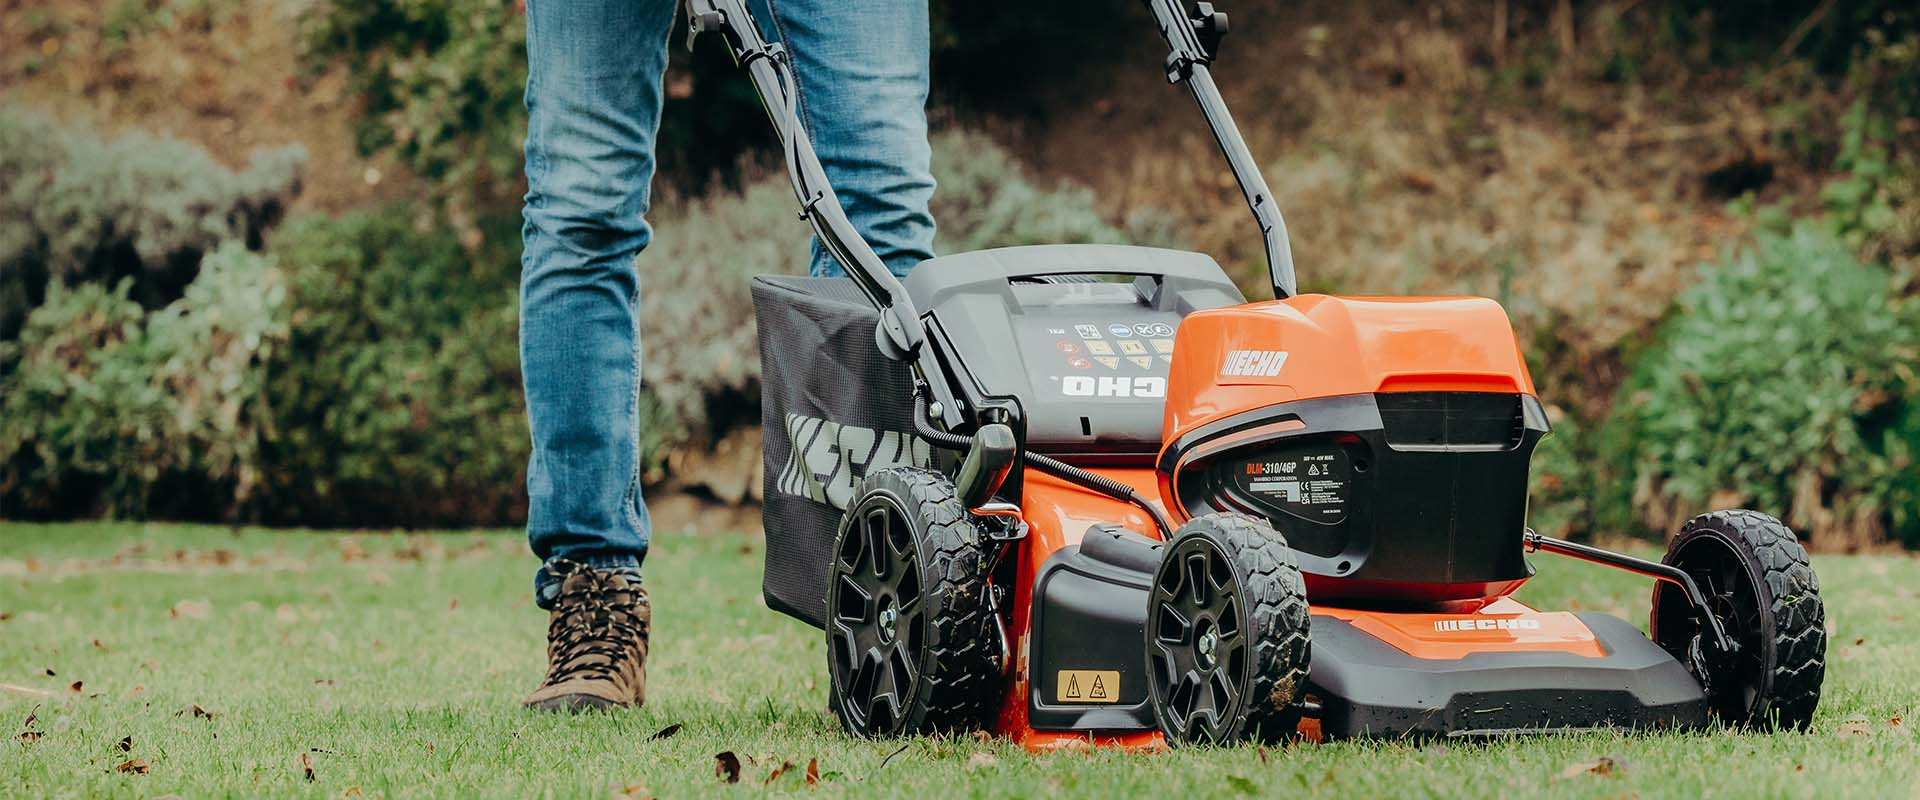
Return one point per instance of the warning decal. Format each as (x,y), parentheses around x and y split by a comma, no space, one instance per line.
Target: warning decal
(1087,686)
(1309,484)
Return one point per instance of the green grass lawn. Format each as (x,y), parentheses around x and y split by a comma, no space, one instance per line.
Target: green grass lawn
(394,665)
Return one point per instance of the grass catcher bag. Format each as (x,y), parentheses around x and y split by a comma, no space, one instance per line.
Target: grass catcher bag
(832,408)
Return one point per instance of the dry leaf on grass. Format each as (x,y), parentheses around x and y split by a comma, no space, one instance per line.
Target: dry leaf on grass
(351,791)
(28,737)
(191,609)
(137,766)
(631,791)
(306,766)
(1853,726)
(194,710)
(726,766)
(1604,766)
(665,733)
(777,772)
(125,744)
(98,646)
(813,772)
(76,686)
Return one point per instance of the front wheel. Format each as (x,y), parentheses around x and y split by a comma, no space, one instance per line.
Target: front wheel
(1760,586)
(1227,633)
(909,633)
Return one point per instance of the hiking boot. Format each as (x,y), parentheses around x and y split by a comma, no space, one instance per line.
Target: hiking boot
(596,641)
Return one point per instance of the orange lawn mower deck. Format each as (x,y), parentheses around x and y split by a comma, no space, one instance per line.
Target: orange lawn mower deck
(1088,494)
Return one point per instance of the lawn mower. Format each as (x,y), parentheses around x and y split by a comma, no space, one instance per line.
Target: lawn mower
(1088,494)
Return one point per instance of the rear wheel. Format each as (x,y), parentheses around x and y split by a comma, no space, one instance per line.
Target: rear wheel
(1227,633)
(1761,587)
(908,630)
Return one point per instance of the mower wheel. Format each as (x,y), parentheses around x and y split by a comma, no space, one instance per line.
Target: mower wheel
(909,633)
(1227,633)
(1758,583)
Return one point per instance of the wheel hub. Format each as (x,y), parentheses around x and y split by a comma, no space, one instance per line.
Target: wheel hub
(889,621)
(1209,642)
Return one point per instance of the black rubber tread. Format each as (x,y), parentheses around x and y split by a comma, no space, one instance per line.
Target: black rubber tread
(960,679)
(1270,585)
(1793,635)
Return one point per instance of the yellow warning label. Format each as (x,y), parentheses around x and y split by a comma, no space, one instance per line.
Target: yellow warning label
(1087,686)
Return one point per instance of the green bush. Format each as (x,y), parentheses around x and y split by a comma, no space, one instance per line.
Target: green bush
(1785,380)
(113,409)
(397,398)
(76,208)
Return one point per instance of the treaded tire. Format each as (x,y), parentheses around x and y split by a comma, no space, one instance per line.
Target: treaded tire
(940,673)
(1768,599)
(1264,603)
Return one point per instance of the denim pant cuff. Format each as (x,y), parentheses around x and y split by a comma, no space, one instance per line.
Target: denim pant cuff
(546,586)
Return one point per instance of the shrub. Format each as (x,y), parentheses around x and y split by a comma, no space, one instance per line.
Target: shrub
(114,409)
(397,399)
(76,208)
(1786,379)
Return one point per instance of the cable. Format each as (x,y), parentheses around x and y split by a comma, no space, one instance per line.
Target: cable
(1047,464)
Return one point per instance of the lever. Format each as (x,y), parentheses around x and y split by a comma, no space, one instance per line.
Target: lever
(988,461)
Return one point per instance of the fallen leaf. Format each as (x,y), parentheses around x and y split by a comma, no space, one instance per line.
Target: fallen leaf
(1604,766)
(5,615)
(99,646)
(813,772)
(982,736)
(28,737)
(50,673)
(777,772)
(351,791)
(631,791)
(665,733)
(75,686)
(194,710)
(726,766)
(125,744)
(981,759)
(137,766)
(33,715)
(306,766)
(191,609)
(323,682)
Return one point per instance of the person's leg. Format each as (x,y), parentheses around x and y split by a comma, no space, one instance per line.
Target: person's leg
(593,102)
(862,69)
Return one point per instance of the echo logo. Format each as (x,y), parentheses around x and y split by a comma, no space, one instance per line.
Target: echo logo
(1253,363)
(1113,386)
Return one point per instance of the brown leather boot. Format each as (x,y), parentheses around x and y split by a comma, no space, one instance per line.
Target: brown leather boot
(596,642)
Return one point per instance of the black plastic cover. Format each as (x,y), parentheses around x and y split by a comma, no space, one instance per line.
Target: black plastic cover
(1366,687)
(1086,359)
(1090,613)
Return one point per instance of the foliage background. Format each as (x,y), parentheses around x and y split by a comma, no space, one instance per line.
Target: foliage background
(258,259)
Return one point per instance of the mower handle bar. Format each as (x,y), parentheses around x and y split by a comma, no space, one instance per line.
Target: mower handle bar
(1190,39)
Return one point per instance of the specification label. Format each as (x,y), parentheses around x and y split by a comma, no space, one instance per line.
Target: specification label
(1309,484)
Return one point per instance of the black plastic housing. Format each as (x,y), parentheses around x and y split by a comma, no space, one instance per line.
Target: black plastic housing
(1017,327)
(1400,498)
(1090,613)
(1366,687)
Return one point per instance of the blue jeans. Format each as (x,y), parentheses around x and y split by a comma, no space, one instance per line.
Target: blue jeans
(593,102)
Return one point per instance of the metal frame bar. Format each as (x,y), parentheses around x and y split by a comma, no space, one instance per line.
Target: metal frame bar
(1652,569)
